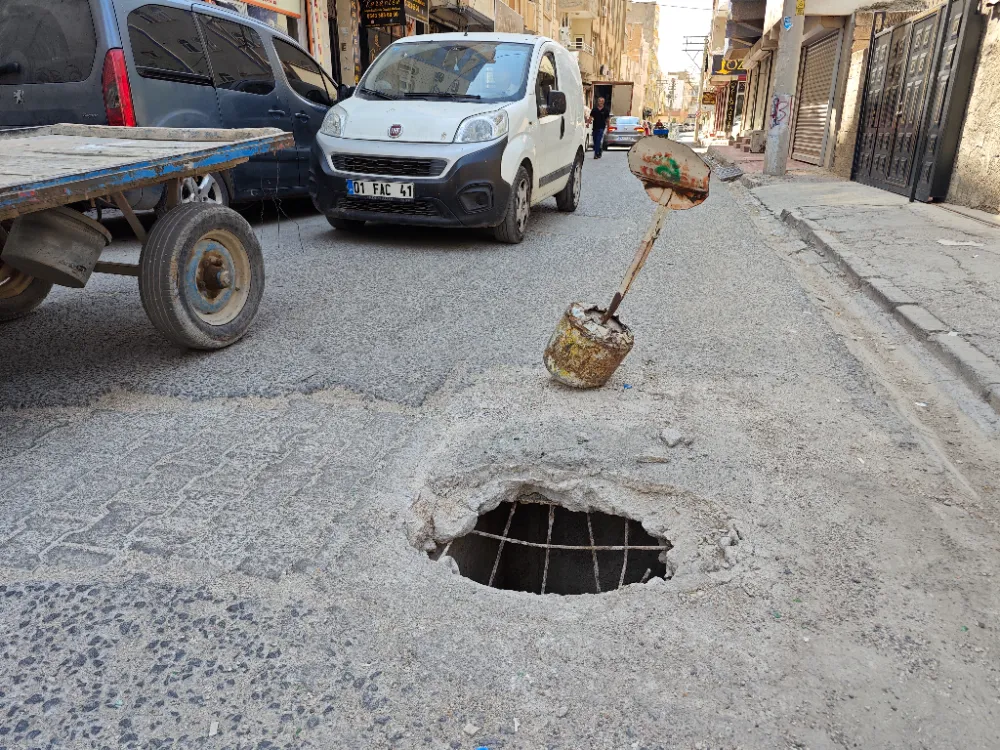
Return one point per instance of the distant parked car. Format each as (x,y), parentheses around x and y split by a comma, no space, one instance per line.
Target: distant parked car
(168,63)
(623,131)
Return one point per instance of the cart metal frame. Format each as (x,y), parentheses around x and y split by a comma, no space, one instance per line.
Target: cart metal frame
(198,261)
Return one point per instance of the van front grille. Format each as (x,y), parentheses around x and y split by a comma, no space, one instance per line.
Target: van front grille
(388,206)
(388,166)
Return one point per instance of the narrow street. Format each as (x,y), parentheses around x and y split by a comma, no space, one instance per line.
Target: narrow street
(230,550)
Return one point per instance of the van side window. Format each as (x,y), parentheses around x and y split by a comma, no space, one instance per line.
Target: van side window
(304,75)
(46,42)
(166,44)
(546,82)
(239,59)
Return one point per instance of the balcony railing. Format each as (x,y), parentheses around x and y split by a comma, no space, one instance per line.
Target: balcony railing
(582,46)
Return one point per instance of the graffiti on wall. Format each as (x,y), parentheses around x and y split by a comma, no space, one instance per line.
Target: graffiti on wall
(781,112)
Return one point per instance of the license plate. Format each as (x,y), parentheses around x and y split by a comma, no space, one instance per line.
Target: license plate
(370,189)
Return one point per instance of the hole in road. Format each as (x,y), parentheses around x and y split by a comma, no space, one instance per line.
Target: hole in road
(537,546)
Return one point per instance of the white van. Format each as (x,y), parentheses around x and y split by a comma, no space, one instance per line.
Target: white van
(462,130)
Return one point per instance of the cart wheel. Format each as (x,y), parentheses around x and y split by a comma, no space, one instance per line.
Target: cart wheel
(19,292)
(201,276)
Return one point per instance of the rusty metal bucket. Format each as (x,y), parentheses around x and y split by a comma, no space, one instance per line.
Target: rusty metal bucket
(589,343)
(584,351)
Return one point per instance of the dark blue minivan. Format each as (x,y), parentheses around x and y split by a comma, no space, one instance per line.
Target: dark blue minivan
(165,63)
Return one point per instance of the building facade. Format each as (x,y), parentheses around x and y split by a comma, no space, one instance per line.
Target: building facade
(902,97)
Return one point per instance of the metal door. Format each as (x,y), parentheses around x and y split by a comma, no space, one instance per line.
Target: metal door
(815,93)
(959,50)
(914,100)
(915,81)
(872,107)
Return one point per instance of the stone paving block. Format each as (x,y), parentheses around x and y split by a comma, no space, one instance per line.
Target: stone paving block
(919,321)
(164,536)
(886,293)
(978,370)
(112,529)
(76,558)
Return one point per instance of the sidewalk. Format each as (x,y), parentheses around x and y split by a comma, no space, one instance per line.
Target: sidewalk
(935,267)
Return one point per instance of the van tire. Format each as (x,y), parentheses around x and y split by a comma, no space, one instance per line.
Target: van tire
(346,225)
(515,219)
(25,293)
(220,192)
(568,198)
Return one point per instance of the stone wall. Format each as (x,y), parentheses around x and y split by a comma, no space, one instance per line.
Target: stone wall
(976,179)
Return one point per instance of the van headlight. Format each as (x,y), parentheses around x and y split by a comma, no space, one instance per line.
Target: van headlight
(485,127)
(334,122)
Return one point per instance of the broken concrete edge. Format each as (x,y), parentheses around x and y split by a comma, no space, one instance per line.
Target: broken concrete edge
(978,371)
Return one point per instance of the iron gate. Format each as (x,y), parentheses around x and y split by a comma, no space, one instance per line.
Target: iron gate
(914,66)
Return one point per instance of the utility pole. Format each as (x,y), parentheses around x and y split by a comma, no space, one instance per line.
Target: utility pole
(701,91)
(786,75)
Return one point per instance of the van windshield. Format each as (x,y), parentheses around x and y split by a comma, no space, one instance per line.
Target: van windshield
(461,70)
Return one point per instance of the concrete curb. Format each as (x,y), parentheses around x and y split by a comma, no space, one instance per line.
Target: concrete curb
(978,371)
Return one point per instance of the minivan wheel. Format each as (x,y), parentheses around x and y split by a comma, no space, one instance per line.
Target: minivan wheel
(206,188)
(515,220)
(568,198)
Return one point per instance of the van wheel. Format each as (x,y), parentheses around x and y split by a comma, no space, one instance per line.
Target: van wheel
(346,225)
(568,198)
(515,220)
(19,292)
(206,188)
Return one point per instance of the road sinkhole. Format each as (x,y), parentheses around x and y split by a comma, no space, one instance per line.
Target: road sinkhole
(535,545)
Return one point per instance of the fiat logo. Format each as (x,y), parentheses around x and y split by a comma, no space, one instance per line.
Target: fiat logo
(395,131)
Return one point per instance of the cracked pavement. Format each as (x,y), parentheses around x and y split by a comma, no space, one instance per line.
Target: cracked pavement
(217,551)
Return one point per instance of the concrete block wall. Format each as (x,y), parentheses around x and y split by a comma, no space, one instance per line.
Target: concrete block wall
(976,179)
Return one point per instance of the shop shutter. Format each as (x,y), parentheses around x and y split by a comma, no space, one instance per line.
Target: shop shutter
(815,89)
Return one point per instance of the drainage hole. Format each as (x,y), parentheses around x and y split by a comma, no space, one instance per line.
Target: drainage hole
(540,547)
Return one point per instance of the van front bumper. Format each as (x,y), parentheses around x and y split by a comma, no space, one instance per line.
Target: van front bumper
(471,192)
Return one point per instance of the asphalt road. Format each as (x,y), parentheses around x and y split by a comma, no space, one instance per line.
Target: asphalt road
(225,550)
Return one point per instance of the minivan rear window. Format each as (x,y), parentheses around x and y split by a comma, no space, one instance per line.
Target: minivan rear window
(46,42)
(166,44)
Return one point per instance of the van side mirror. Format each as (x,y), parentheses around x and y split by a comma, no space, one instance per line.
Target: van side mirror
(345,91)
(556,103)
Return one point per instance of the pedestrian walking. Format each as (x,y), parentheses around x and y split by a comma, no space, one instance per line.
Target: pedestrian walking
(599,117)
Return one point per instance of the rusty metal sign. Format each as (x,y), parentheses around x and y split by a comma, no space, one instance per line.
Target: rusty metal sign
(673,174)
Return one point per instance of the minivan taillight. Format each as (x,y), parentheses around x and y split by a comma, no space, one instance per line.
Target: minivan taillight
(117,94)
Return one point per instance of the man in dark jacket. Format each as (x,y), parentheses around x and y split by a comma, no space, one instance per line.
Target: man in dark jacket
(599,116)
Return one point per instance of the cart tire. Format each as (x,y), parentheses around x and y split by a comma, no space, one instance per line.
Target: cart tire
(346,225)
(201,276)
(19,292)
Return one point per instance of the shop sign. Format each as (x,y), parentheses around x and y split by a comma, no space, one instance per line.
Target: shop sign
(382,12)
(416,9)
(722,67)
(708,98)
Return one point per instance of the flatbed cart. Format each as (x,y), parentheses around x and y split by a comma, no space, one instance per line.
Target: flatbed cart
(201,270)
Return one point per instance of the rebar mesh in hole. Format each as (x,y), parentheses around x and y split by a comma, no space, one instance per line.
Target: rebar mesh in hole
(535,545)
